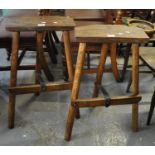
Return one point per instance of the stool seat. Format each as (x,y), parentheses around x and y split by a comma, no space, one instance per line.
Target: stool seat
(110,33)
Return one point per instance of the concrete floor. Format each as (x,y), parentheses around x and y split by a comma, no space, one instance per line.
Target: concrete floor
(41,120)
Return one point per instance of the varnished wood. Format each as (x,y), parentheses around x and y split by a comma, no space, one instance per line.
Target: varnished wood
(41,56)
(135,84)
(110,33)
(68,54)
(121,100)
(100,69)
(75,91)
(30,23)
(39,23)
(13,79)
(78,71)
(36,88)
(69,123)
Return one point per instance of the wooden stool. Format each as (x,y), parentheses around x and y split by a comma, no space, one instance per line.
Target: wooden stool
(39,25)
(108,35)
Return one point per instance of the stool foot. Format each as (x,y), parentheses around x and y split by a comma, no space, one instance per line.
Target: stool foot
(135,117)
(11,112)
(69,124)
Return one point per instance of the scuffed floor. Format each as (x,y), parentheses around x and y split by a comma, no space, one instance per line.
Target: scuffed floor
(40,120)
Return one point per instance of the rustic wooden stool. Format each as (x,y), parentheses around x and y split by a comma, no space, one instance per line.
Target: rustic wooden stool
(107,35)
(39,25)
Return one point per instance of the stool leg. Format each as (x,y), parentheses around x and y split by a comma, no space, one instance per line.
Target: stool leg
(135,84)
(114,62)
(42,59)
(64,63)
(129,83)
(126,60)
(151,109)
(68,55)
(13,79)
(100,69)
(51,48)
(75,90)
(38,69)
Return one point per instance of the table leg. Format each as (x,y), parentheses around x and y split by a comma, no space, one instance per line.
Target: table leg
(42,59)
(68,55)
(100,69)
(13,78)
(113,56)
(135,84)
(75,90)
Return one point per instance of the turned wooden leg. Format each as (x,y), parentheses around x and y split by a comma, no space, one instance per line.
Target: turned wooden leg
(100,69)
(13,79)
(42,59)
(135,84)
(113,55)
(75,90)
(68,55)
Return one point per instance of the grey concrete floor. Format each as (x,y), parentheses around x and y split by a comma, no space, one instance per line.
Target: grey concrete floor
(41,120)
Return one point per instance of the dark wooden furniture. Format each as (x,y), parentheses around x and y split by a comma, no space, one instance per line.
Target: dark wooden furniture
(91,17)
(107,35)
(38,25)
